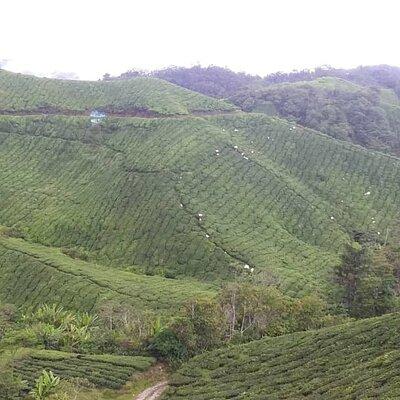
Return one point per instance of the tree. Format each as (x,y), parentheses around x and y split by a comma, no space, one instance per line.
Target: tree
(366,281)
(167,346)
(254,311)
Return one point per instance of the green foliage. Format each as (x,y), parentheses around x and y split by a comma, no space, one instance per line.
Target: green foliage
(333,106)
(45,385)
(350,361)
(241,313)
(367,281)
(167,345)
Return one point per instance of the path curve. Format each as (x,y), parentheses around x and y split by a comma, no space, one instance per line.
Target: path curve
(152,393)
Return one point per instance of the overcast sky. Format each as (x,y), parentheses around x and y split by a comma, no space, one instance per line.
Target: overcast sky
(91,37)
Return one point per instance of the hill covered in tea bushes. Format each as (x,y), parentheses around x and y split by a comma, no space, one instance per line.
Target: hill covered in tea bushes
(30,95)
(357,360)
(32,275)
(198,196)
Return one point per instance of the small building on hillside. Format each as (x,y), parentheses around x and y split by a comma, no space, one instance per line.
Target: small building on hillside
(97,116)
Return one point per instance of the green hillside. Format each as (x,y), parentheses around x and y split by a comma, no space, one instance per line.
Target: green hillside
(31,275)
(358,360)
(109,371)
(29,94)
(194,196)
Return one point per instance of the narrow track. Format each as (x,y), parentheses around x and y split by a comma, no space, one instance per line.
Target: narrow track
(152,393)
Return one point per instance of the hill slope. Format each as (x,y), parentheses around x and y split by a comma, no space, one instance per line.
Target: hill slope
(110,371)
(28,94)
(130,193)
(31,275)
(358,360)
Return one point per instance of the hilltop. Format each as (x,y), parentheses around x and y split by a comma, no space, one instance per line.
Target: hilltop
(352,361)
(24,94)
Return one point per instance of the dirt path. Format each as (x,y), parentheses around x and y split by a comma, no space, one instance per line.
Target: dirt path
(152,393)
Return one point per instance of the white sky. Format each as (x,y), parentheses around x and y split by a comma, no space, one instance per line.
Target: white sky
(91,37)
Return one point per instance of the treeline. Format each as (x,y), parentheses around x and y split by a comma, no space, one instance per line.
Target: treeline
(241,313)
(212,81)
(352,115)
(222,82)
(366,285)
(384,76)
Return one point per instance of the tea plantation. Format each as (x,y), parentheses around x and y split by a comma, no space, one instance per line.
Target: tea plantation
(29,94)
(31,275)
(194,196)
(358,360)
(104,370)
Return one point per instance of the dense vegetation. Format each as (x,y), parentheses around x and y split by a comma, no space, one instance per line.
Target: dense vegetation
(334,106)
(351,361)
(212,81)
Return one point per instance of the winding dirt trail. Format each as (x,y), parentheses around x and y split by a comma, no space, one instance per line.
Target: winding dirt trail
(152,393)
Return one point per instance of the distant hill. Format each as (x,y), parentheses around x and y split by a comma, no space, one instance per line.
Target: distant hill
(28,94)
(360,105)
(192,196)
(212,81)
(342,109)
(358,360)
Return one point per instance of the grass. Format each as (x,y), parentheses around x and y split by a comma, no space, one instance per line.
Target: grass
(358,360)
(29,94)
(127,194)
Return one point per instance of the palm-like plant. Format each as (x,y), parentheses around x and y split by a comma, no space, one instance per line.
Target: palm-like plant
(45,385)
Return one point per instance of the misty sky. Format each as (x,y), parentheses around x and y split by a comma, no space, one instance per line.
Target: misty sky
(89,38)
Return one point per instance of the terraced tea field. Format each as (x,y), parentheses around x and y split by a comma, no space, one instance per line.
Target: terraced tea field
(358,360)
(29,94)
(107,371)
(194,196)
(31,275)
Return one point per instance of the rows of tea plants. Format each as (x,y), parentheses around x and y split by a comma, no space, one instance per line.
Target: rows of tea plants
(357,360)
(195,196)
(31,275)
(102,370)
(29,94)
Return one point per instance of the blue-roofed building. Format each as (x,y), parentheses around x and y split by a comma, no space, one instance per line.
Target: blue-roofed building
(97,116)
